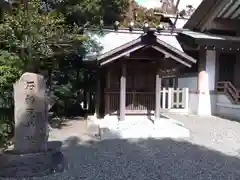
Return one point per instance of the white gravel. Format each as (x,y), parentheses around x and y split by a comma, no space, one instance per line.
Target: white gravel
(219,134)
(211,153)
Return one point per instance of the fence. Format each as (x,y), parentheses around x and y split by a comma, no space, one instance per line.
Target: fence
(145,101)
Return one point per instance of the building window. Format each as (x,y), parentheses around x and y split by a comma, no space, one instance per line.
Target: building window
(169,82)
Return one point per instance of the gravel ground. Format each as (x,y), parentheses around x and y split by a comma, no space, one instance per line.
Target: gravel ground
(214,133)
(211,153)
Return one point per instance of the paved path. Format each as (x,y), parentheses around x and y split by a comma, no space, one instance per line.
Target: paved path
(212,152)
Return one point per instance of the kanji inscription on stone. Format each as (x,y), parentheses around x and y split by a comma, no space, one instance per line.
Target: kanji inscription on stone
(30,113)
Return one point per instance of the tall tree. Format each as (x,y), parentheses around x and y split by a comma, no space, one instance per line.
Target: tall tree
(35,36)
(168,6)
(90,12)
(139,15)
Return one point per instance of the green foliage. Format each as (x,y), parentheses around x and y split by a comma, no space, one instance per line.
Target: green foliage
(32,41)
(51,42)
(64,96)
(9,73)
(34,36)
(90,12)
(139,14)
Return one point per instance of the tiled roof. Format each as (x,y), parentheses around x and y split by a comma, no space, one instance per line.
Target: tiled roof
(111,39)
(198,35)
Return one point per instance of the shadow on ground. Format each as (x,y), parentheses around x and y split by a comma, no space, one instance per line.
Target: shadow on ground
(147,159)
(59,120)
(59,123)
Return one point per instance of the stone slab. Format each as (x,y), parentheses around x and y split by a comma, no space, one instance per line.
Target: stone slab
(30,113)
(17,165)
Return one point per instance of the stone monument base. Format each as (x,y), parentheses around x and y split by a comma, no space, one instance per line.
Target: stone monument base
(14,164)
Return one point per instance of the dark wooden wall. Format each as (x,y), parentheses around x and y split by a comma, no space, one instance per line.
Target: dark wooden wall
(140,76)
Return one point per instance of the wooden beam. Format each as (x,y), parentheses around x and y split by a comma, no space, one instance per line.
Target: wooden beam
(171,56)
(121,54)
(225,24)
(123,93)
(120,48)
(208,19)
(143,58)
(177,51)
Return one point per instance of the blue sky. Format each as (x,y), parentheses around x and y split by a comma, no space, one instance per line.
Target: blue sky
(156,3)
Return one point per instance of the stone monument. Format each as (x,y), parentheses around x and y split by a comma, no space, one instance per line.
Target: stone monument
(32,154)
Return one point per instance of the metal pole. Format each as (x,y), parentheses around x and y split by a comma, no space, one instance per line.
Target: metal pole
(177,15)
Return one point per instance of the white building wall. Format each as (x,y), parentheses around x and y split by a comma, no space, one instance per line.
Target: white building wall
(192,82)
(220,104)
(202,103)
(194,102)
(211,68)
(188,82)
(225,108)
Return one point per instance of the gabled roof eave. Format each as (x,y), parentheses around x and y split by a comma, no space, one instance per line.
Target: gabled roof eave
(137,44)
(199,19)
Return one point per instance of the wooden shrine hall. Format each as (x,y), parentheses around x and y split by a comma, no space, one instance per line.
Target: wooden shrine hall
(160,71)
(130,75)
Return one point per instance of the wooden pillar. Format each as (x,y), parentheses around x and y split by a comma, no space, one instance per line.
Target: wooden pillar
(170,97)
(158,95)
(217,68)
(175,82)
(98,94)
(185,98)
(85,91)
(108,94)
(123,93)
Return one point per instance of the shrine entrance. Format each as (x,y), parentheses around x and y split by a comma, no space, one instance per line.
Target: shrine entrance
(138,78)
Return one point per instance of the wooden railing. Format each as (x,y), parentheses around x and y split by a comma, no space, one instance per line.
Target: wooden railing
(140,101)
(145,101)
(230,91)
